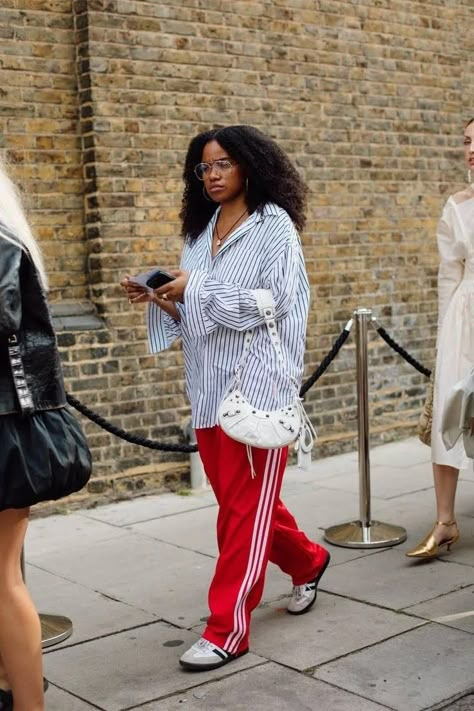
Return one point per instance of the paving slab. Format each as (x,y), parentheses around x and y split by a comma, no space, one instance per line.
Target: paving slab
(164,580)
(193,530)
(336,626)
(407,452)
(454,610)
(321,469)
(389,579)
(296,480)
(268,687)
(426,498)
(464,704)
(59,700)
(386,482)
(131,668)
(320,507)
(145,508)
(55,533)
(410,672)
(92,613)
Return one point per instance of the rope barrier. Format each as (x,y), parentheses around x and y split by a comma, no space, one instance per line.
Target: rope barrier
(128,436)
(190,448)
(327,360)
(314,377)
(398,349)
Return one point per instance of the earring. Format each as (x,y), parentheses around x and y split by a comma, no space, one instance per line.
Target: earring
(204,192)
(246,186)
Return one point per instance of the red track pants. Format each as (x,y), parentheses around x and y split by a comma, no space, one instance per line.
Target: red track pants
(253,527)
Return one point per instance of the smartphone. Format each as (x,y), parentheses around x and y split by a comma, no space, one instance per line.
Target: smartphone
(152,279)
(159,278)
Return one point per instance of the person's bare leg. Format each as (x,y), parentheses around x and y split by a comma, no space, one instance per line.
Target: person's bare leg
(445,481)
(20,629)
(4,683)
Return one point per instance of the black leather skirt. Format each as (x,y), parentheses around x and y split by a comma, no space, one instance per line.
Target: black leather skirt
(43,456)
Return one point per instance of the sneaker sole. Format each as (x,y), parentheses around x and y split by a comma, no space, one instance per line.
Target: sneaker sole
(191,666)
(316,582)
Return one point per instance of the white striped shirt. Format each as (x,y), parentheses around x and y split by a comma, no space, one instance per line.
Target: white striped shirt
(220,308)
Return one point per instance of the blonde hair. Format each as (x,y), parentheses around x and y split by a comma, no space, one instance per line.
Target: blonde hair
(12,215)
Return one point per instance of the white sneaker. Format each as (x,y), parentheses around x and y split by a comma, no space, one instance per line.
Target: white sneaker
(205,655)
(304,596)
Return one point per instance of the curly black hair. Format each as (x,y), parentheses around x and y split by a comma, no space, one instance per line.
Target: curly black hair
(271,177)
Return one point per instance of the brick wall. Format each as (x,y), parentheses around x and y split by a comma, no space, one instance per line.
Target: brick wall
(369,99)
(38,125)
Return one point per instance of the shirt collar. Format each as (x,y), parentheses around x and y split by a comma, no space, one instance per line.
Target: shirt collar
(268,210)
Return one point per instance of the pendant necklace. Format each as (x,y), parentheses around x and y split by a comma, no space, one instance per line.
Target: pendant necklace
(221,239)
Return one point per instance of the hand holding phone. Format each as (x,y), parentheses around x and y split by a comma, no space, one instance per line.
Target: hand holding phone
(152,279)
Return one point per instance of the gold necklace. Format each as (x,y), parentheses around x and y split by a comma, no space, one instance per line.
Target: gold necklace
(221,239)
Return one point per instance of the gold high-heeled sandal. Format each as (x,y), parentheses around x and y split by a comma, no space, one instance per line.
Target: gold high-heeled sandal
(429,548)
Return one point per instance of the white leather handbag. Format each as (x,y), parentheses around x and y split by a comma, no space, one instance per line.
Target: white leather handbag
(458,415)
(265,429)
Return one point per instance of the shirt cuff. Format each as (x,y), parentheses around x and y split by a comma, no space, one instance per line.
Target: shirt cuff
(163,330)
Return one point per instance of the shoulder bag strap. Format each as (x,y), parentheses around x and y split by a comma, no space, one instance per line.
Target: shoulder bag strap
(266,307)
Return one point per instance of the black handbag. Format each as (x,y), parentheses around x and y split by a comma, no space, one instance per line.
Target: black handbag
(45,454)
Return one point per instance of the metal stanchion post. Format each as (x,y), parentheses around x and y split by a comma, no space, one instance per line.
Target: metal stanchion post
(198,478)
(54,628)
(364,533)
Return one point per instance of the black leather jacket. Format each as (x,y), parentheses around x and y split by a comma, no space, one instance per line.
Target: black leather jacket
(24,311)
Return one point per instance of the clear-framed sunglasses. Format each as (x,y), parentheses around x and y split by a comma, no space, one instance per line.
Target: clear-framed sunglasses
(221,166)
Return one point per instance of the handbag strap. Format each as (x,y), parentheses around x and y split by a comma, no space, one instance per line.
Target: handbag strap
(266,307)
(19,379)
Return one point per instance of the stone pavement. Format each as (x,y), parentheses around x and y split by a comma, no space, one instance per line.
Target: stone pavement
(386,633)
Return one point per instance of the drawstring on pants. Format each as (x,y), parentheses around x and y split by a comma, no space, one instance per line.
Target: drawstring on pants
(250,458)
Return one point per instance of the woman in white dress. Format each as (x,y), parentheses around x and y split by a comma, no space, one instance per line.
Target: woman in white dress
(455,349)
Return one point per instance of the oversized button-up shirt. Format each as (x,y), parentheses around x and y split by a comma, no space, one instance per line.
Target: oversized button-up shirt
(220,316)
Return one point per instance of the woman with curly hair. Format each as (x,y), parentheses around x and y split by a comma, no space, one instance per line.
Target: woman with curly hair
(243,202)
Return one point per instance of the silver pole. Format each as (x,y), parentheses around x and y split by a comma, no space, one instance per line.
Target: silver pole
(362,318)
(54,628)
(364,533)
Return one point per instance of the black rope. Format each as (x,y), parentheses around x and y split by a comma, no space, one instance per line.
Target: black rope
(189,448)
(127,436)
(398,349)
(327,360)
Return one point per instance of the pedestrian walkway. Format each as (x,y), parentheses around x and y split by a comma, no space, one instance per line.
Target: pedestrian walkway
(386,633)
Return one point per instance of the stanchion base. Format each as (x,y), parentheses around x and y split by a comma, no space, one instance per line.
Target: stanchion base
(54,629)
(355,535)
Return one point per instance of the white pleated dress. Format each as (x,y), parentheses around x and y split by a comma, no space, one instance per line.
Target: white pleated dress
(455,343)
